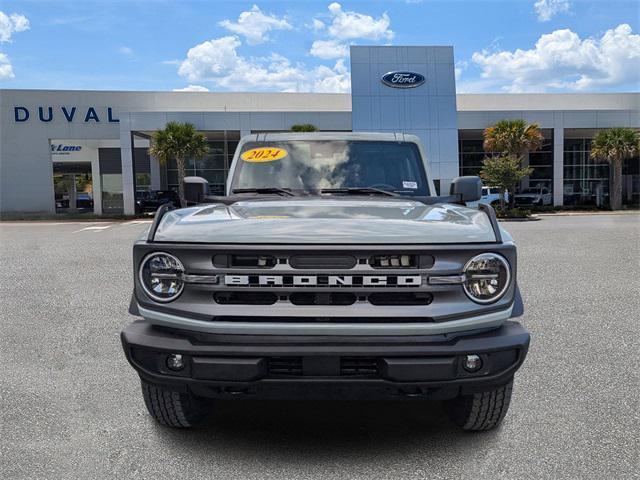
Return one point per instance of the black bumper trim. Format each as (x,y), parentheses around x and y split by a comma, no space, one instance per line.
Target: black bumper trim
(220,362)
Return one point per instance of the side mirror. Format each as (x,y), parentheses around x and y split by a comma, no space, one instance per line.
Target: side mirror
(195,189)
(468,189)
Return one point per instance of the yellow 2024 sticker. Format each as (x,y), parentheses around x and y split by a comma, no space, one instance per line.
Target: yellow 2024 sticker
(264,154)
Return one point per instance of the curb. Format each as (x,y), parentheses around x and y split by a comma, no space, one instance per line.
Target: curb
(532,218)
(577,214)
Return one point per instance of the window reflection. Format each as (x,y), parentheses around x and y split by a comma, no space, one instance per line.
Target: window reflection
(586,181)
(214,166)
(472,155)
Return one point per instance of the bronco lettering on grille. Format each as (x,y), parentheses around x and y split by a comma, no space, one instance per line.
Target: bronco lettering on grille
(323,280)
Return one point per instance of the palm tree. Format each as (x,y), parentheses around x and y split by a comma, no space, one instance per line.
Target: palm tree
(179,141)
(614,146)
(513,139)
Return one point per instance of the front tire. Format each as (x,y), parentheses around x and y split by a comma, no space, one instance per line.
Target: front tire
(482,410)
(172,409)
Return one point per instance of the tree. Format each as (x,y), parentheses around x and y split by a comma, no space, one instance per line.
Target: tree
(614,146)
(179,141)
(304,127)
(504,172)
(514,139)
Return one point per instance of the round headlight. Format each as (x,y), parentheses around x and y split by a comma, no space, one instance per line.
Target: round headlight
(161,276)
(487,277)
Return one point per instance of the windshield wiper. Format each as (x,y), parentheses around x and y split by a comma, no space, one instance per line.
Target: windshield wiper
(280,191)
(357,190)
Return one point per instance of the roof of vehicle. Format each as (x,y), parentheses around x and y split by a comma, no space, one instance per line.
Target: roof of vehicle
(372,136)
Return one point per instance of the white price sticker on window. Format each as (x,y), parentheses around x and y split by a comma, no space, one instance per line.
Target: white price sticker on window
(411,185)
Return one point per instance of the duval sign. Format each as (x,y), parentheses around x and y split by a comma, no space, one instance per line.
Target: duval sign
(402,79)
(47,114)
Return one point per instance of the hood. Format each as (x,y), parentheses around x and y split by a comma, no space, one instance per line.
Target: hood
(326,221)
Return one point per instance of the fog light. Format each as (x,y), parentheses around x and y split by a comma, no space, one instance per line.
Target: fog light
(472,363)
(175,362)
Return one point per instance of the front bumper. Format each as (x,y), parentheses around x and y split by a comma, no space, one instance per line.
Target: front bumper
(336,366)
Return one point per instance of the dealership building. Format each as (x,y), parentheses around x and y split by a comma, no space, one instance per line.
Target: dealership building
(65,151)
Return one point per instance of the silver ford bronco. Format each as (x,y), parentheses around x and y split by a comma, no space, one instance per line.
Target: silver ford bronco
(331,269)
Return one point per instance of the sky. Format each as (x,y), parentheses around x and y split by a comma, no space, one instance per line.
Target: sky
(499,46)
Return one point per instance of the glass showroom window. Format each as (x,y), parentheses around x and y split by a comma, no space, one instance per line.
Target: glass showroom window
(472,155)
(142,165)
(586,181)
(542,163)
(631,182)
(214,166)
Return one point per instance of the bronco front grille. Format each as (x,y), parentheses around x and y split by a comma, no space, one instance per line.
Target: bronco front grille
(332,279)
(400,298)
(322,262)
(336,281)
(323,298)
(375,284)
(245,298)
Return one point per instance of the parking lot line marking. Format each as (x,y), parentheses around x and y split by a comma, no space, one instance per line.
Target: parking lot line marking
(137,222)
(37,223)
(94,228)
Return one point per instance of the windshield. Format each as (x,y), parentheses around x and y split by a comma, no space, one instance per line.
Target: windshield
(535,191)
(313,165)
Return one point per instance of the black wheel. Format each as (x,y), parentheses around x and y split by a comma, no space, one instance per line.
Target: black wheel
(480,411)
(172,409)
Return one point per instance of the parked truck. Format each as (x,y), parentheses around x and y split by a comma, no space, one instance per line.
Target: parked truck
(330,269)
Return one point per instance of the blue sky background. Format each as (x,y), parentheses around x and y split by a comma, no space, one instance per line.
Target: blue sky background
(591,46)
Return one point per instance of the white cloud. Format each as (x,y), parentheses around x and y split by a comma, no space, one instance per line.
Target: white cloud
(331,80)
(125,51)
(192,88)
(347,25)
(254,25)
(10,24)
(547,9)
(218,61)
(327,49)
(317,25)
(460,67)
(561,60)
(6,70)
(210,59)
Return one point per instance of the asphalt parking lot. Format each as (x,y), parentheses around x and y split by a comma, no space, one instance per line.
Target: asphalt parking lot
(71,406)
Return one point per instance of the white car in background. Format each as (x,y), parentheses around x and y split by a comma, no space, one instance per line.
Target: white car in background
(490,196)
(534,196)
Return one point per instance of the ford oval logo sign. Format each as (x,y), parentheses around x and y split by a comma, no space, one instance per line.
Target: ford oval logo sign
(403,79)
